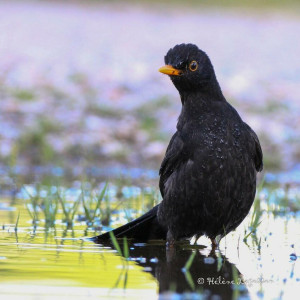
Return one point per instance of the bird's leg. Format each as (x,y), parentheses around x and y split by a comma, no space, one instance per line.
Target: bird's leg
(170,253)
(214,244)
(170,240)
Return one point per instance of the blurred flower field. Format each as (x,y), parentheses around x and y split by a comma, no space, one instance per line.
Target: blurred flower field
(79,84)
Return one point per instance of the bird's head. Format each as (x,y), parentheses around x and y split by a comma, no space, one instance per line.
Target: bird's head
(189,68)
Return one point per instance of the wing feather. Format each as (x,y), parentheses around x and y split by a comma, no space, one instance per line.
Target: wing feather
(258,155)
(174,155)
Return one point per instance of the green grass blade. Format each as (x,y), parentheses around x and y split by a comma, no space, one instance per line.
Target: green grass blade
(85,208)
(100,198)
(219,261)
(17,222)
(125,248)
(189,280)
(115,242)
(252,231)
(65,211)
(75,208)
(126,278)
(189,262)
(235,276)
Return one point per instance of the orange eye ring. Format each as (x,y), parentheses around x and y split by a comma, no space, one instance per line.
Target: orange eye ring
(193,66)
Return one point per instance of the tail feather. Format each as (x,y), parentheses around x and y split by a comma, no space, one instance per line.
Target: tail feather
(141,229)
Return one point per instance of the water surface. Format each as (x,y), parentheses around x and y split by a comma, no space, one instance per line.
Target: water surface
(36,261)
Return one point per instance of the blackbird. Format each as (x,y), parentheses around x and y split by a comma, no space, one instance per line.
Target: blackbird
(208,175)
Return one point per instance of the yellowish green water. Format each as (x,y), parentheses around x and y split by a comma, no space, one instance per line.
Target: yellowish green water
(36,262)
(61,263)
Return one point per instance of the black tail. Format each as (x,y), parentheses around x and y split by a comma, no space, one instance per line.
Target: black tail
(141,229)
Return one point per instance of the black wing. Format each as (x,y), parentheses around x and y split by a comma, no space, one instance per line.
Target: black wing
(258,155)
(174,155)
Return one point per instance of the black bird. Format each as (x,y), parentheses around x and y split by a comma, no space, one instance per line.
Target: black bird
(208,174)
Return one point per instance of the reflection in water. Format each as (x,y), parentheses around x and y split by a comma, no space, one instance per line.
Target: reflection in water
(210,275)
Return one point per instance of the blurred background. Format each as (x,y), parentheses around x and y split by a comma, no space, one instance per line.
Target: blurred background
(81,93)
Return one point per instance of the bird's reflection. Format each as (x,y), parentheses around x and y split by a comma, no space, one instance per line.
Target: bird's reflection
(211,275)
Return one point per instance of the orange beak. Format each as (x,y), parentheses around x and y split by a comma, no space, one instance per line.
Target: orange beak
(169,70)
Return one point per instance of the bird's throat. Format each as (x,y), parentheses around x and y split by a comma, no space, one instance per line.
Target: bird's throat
(206,93)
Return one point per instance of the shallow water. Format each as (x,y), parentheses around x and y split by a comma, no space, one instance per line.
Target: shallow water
(36,262)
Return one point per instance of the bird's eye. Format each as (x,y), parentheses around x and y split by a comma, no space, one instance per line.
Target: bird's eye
(193,66)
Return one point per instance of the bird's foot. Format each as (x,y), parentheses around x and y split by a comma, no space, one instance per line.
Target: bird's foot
(170,240)
(170,243)
(214,245)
